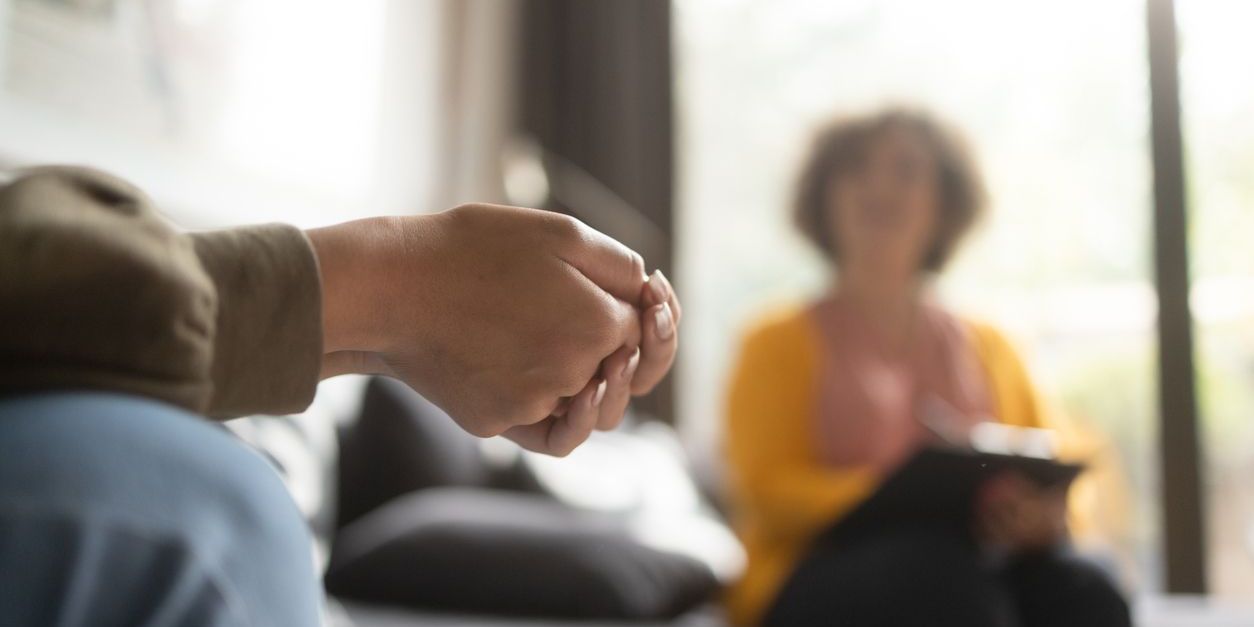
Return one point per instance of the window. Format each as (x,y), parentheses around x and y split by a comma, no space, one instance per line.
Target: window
(1217,97)
(229,111)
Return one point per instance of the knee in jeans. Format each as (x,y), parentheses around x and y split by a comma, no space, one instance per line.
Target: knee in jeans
(249,500)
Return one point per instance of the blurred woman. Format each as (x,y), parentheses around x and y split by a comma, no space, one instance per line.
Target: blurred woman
(826,401)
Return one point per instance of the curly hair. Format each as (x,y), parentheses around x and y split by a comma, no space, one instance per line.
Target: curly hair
(841,145)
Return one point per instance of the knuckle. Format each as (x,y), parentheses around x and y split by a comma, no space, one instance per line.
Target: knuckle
(462,212)
(597,328)
(539,407)
(466,217)
(643,383)
(599,350)
(637,264)
(483,428)
(564,450)
(605,339)
(570,377)
(496,417)
(611,423)
(610,321)
(568,446)
(564,227)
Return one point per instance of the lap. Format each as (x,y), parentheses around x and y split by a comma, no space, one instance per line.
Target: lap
(120,510)
(917,574)
(905,575)
(1059,588)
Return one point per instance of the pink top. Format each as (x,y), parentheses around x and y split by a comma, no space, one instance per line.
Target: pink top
(873,402)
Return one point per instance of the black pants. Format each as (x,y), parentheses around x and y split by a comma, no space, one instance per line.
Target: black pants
(935,576)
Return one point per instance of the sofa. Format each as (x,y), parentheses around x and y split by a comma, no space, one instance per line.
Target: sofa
(418,523)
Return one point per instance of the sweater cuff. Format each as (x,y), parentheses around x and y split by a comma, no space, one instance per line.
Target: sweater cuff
(268,348)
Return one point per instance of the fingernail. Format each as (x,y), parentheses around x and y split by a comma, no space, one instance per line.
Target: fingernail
(665,324)
(630,368)
(599,394)
(657,283)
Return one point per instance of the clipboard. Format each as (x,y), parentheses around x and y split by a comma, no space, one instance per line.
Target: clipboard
(940,484)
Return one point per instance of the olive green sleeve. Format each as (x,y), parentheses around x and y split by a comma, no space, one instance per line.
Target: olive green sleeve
(98,291)
(268,348)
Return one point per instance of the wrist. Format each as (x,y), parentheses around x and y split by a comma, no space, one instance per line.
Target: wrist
(351,266)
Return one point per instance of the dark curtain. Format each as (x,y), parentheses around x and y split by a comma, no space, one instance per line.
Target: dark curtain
(596,97)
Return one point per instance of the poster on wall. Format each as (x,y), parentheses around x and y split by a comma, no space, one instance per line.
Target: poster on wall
(153,70)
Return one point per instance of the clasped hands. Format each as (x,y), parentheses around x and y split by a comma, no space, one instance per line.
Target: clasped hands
(516,322)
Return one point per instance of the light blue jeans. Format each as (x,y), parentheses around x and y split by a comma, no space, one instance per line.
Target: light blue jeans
(116,510)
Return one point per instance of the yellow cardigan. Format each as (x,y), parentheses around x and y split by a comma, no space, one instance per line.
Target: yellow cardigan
(781,495)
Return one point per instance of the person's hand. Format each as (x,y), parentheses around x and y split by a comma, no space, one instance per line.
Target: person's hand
(1016,514)
(514,321)
(629,371)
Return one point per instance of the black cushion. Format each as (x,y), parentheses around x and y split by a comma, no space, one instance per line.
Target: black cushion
(401,443)
(493,552)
